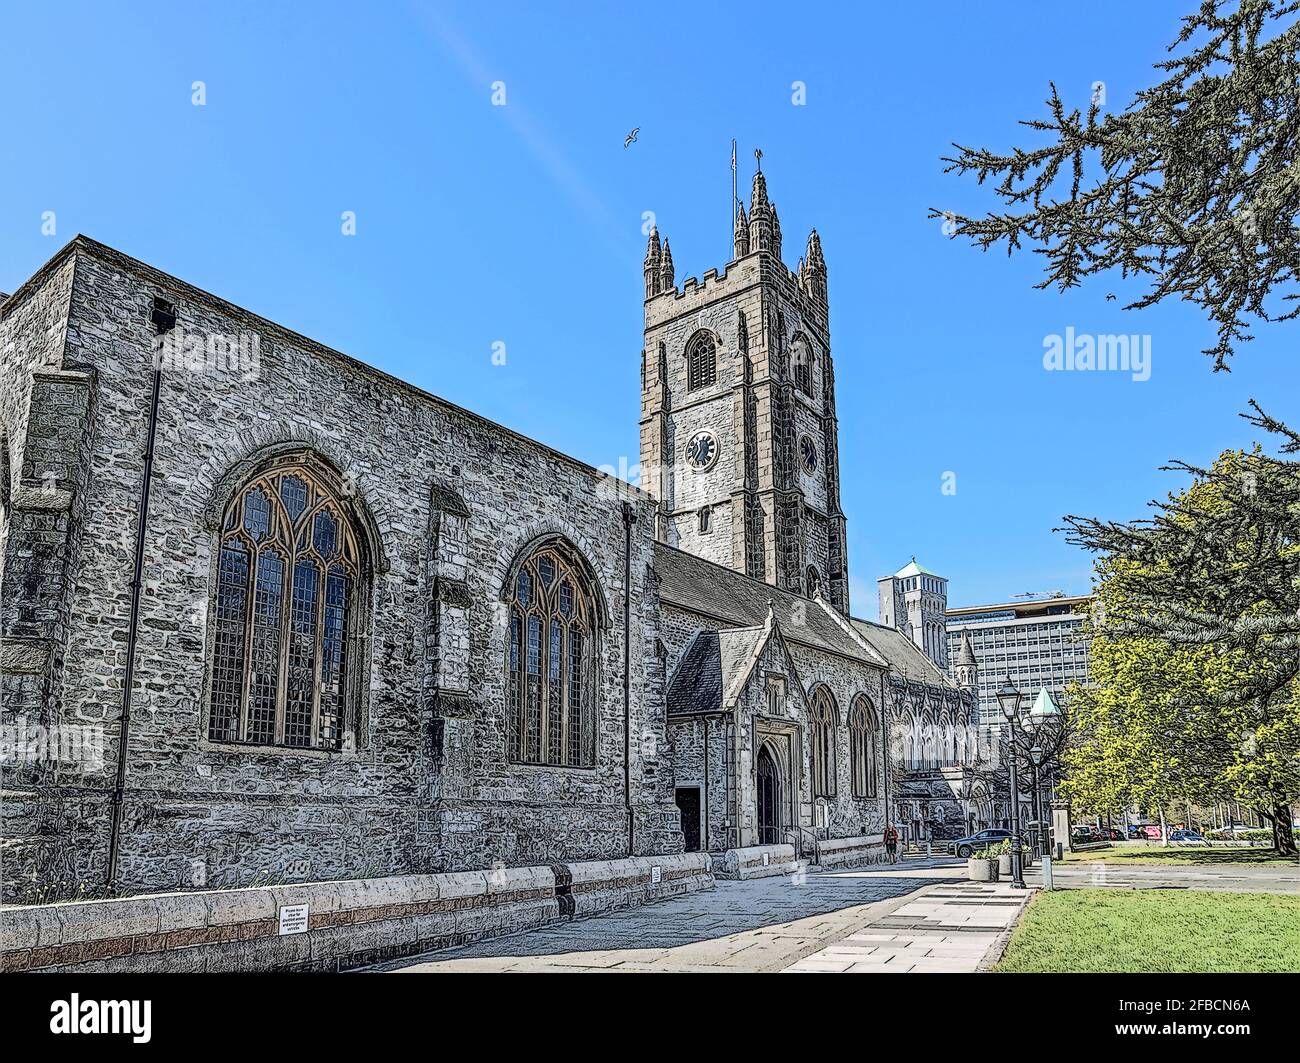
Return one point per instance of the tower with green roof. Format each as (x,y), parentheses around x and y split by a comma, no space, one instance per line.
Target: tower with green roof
(915,600)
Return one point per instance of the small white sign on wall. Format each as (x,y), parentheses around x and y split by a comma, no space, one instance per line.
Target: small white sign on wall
(293,919)
(767,859)
(656,874)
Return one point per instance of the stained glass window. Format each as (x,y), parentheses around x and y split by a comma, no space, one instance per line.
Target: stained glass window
(288,576)
(862,747)
(229,654)
(550,717)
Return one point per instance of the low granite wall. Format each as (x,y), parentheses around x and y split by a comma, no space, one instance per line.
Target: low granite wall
(756,861)
(326,926)
(852,852)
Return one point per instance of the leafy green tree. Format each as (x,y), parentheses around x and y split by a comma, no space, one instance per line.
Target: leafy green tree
(1143,733)
(1196,643)
(1195,186)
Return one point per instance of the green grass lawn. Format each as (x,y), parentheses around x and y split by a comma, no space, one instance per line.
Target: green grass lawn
(1175,931)
(1154,853)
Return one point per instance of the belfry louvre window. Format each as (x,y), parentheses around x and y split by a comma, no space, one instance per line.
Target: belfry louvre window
(802,359)
(289,582)
(701,362)
(551,651)
(823,743)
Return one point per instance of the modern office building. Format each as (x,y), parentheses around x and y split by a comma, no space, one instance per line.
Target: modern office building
(1038,642)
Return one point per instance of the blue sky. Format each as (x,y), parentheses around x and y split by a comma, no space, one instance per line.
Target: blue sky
(521,224)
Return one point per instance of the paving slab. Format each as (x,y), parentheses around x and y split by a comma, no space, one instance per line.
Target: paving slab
(956,929)
(760,925)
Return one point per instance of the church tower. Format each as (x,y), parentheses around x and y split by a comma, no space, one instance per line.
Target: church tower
(739,438)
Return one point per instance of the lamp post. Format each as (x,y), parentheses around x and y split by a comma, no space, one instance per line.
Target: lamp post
(1009,701)
(1036,757)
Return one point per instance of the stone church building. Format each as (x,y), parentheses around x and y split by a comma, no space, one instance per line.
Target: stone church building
(272,614)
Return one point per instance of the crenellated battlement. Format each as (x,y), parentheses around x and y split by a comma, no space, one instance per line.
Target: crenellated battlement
(738,275)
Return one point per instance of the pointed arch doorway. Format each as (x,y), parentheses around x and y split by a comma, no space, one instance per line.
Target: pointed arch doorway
(769,798)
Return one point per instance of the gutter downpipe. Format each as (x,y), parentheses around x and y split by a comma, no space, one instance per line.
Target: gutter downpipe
(629,518)
(124,724)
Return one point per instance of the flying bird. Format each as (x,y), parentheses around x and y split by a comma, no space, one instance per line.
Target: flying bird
(631,137)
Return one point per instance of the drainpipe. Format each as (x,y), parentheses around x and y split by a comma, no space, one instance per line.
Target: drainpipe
(629,518)
(885,779)
(164,319)
(704,793)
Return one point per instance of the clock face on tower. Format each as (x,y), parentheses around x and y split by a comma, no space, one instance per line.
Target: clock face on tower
(701,451)
(809,454)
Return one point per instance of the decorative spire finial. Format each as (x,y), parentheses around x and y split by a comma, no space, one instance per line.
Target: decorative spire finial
(651,266)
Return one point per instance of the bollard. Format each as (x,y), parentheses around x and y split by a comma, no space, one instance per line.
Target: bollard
(1047,871)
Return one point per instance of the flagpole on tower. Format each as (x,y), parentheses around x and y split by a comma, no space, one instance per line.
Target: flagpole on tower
(731,217)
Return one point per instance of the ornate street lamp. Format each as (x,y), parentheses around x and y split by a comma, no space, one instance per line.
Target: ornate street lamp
(1009,701)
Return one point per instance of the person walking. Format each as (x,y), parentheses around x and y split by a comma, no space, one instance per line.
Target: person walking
(891,844)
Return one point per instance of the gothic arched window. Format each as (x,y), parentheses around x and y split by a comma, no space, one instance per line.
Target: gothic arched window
(814,582)
(862,747)
(802,362)
(701,362)
(291,588)
(551,661)
(823,743)
(907,729)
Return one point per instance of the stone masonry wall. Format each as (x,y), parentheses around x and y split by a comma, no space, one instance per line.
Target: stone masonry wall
(428,787)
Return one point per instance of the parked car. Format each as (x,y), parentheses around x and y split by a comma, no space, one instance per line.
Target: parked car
(979,840)
(1150,831)
(1190,837)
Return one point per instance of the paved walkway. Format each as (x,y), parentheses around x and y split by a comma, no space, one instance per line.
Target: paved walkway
(1239,878)
(954,928)
(765,924)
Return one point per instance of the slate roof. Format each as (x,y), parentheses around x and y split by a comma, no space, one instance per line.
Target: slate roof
(967,654)
(711,668)
(736,600)
(904,656)
(697,683)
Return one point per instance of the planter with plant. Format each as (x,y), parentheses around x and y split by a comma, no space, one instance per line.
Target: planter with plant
(983,866)
(1002,854)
